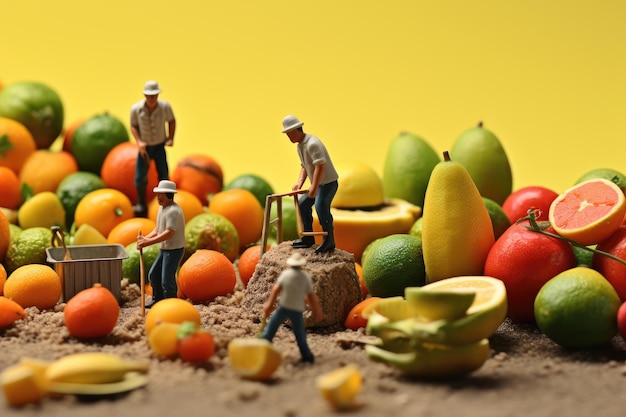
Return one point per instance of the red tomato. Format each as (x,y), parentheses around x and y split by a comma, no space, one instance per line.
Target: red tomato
(612,270)
(196,347)
(621,320)
(525,260)
(520,201)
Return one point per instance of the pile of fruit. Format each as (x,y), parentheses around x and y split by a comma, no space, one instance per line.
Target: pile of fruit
(444,247)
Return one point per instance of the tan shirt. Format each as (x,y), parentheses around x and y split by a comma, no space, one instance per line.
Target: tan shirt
(151,127)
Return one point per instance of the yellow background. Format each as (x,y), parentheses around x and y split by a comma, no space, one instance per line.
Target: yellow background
(547,77)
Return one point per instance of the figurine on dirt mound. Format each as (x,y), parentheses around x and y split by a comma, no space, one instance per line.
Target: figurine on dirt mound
(317,166)
(295,287)
(147,124)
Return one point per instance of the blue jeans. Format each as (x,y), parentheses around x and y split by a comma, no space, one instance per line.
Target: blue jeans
(156,152)
(162,274)
(322,200)
(297,322)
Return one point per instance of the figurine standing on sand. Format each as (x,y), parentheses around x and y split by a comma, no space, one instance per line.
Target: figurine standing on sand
(170,234)
(315,164)
(147,124)
(295,287)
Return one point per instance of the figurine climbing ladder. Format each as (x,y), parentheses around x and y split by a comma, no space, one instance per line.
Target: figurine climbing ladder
(267,221)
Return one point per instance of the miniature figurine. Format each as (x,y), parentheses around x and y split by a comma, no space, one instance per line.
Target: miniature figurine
(170,233)
(147,124)
(317,166)
(295,287)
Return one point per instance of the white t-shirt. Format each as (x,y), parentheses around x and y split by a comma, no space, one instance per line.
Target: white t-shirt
(313,152)
(171,217)
(295,285)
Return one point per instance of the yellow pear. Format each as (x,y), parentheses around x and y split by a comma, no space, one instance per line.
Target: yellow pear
(456,227)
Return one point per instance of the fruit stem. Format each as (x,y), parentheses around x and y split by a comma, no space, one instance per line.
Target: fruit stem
(446,156)
(540,228)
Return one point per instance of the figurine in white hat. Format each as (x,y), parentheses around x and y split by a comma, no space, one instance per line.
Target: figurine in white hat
(170,234)
(148,118)
(315,164)
(295,287)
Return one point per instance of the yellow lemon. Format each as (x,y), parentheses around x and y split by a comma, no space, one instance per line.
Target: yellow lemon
(41,210)
(86,234)
(359,186)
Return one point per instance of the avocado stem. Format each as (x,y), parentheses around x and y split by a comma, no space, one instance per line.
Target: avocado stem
(536,227)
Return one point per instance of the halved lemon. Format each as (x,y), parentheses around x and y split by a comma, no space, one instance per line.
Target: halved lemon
(255,359)
(437,304)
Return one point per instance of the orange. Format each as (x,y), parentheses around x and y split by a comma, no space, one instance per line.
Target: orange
(205,275)
(91,313)
(10,189)
(247,263)
(171,310)
(243,210)
(44,170)
(118,171)
(588,212)
(126,231)
(355,319)
(3,278)
(188,202)
(9,312)
(33,285)
(103,209)
(359,272)
(16,144)
(5,236)
(200,175)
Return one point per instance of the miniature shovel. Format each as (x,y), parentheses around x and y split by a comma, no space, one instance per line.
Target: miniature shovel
(142,278)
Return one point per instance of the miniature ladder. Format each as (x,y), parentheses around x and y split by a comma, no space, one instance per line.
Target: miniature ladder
(267,221)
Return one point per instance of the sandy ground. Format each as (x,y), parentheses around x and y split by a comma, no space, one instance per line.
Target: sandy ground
(527,374)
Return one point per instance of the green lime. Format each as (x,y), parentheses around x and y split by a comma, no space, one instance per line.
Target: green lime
(14,230)
(578,309)
(93,140)
(289,220)
(253,183)
(36,106)
(28,247)
(583,256)
(73,188)
(607,174)
(499,220)
(131,265)
(392,264)
(416,229)
(211,231)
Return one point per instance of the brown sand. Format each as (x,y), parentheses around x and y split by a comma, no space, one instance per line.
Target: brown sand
(527,374)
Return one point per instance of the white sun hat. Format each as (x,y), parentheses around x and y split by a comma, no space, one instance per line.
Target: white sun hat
(291,123)
(296,260)
(151,88)
(165,186)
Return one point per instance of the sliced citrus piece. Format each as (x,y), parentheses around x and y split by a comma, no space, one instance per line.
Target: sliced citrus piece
(341,387)
(588,212)
(255,359)
(20,385)
(482,318)
(435,361)
(433,304)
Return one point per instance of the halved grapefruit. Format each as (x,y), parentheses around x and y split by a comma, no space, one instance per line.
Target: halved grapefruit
(588,212)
